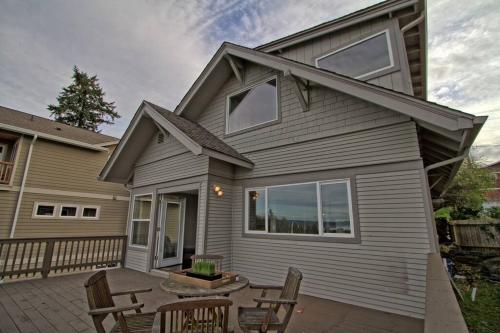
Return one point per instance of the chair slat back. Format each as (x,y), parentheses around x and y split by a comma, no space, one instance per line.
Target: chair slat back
(98,296)
(201,315)
(291,288)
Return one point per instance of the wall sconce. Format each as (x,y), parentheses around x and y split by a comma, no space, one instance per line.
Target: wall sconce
(218,190)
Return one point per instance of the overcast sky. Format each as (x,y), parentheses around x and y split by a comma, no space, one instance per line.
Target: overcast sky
(155,49)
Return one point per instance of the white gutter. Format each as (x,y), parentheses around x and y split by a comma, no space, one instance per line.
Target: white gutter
(51,137)
(23,183)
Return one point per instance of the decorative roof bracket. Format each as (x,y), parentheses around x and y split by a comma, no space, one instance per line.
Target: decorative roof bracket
(302,89)
(236,66)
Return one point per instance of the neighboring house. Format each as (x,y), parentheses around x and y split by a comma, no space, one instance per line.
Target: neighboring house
(48,180)
(317,150)
(493,195)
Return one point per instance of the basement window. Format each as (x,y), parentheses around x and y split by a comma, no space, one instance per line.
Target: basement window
(90,212)
(362,58)
(252,106)
(68,211)
(44,210)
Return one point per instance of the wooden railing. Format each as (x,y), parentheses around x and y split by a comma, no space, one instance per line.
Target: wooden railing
(29,257)
(5,172)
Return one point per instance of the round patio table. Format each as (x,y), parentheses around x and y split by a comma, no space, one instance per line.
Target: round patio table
(186,290)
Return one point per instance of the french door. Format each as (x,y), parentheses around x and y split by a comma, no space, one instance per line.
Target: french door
(171,232)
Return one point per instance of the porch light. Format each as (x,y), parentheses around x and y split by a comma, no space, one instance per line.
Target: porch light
(218,190)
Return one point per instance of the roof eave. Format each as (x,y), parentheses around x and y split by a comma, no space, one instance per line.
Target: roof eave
(384,8)
(41,135)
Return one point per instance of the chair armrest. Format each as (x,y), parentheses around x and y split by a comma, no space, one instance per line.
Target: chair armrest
(128,292)
(266,287)
(274,301)
(115,309)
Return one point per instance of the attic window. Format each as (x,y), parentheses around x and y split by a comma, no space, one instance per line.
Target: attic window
(362,58)
(161,138)
(252,106)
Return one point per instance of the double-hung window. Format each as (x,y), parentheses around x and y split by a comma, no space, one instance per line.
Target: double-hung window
(253,106)
(141,217)
(316,208)
(362,58)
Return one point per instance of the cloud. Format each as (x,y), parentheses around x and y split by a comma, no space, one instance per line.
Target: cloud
(155,49)
(464,61)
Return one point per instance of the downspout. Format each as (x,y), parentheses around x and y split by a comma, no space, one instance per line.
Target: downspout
(23,183)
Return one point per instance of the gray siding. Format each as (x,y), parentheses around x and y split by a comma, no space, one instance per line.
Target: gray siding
(385,271)
(219,223)
(308,51)
(331,113)
(381,145)
(167,161)
(137,259)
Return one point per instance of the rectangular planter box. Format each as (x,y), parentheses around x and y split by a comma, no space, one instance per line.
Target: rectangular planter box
(180,276)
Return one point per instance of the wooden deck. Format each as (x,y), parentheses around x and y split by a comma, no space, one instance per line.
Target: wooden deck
(58,304)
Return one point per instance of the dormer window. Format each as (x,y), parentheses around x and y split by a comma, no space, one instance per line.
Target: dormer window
(253,106)
(362,58)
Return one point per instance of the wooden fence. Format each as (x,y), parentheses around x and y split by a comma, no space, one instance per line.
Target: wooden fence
(477,234)
(32,256)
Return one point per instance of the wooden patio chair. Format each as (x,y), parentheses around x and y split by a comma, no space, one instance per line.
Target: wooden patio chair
(200,314)
(101,304)
(263,319)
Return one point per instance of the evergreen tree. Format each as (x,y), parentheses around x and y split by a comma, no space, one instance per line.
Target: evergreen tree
(82,104)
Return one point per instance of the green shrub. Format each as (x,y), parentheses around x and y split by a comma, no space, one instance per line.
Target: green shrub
(493,212)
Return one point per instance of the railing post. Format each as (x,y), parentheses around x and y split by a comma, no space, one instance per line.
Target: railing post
(47,258)
(124,251)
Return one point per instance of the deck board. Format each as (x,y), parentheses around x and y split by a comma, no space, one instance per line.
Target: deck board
(59,304)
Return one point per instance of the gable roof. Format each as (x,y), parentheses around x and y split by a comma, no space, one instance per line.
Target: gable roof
(447,134)
(25,123)
(408,16)
(362,15)
(198,133)
(147,120)
(211,79)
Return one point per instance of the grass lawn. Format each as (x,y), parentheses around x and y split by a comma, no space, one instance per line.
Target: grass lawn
(483,315)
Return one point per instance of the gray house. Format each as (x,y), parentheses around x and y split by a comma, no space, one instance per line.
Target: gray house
(317,150)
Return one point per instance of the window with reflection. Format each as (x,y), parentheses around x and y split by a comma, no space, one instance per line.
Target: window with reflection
(293,209)
(256,210)
(253,106)
(320,208)
(368,56)
(141,218)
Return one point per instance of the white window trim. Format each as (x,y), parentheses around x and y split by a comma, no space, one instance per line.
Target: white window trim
(247,197)
(96,217)
(389,46)
(35,210)
(320,233)
(253,85)
(131,228)
(69,217)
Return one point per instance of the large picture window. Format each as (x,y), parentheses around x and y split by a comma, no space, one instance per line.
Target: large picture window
(253,106)
(367,56)
(141,217)
(315,208)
